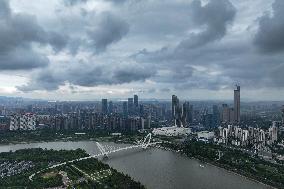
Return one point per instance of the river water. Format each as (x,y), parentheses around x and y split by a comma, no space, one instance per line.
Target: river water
(156,168)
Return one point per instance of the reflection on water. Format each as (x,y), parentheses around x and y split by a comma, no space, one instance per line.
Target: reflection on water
(156,168)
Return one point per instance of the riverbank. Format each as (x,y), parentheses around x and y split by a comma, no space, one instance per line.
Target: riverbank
(233,161)
(218,166)
(235,173)
(154,163)
(130,139)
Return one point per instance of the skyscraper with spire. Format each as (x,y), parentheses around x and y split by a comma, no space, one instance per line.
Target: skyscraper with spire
(237,104)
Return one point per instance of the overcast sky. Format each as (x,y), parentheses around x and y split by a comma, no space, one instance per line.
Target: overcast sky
(89,49)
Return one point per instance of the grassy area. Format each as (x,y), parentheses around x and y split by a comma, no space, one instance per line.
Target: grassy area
(106,177)
(90,173)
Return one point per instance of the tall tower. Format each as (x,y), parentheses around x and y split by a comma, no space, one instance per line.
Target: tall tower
(110,107)
(104,106)
(215,116)
(184,113)
(175,108)
(125,109)
(283,115)
(130,106)
(175,103)
(225,113)
(237,104)
(136,105)
(136,101)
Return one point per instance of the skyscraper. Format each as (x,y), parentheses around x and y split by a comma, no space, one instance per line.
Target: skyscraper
(207,120)
(184,113)
(179,112)
(125,110)
(104,106)
(141,109)
(135,101)
(225,113)
(110,107)
(232,116)
(175,103)
(283,115)
(215,116)
(237,104)
(130,106)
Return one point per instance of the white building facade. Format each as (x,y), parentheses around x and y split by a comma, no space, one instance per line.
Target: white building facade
(23,122)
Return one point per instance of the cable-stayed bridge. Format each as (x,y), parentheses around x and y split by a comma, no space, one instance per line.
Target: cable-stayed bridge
(105,151)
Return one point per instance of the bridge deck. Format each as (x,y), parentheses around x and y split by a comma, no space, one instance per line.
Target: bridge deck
(103,153)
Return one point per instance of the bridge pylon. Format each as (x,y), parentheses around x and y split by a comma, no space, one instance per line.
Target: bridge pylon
(147,141)
(102,150)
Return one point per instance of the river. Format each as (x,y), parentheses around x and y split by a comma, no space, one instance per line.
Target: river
(156,168)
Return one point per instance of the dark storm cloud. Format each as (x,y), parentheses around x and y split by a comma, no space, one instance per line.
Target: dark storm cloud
(19,30)
(59,41)
(44,80)
(179,65)
(23,59)
(17,34)
(270,35)
(131,73)
(276,73)
(215,16)
(188,45)
(87,75)
(110,29)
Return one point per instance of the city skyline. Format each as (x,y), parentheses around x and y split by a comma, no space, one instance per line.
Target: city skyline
(136,94)
(86,50)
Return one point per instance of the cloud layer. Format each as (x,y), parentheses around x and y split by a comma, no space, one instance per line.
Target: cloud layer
(109,29)
(270,34)
(157,47)
(214,16)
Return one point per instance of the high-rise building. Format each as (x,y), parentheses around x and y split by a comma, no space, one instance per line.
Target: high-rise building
(110,107)
(215,116)
(184,113)
(237,104)
(208,120)
(273,131)
(232,115)
(130,106)
(124,109)
(141,109)
(23,122)
(136,101)
(175,104)
(104,106)
(225,113)
(283,115)
(4,123)
(179,112)
(187,113)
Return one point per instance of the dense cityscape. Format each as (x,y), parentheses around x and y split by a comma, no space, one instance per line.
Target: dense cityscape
(254,128)
(136,94)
